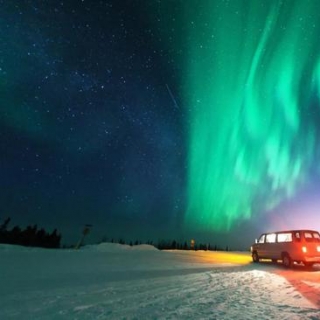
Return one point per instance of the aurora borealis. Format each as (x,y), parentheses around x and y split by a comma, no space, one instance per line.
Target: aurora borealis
(253,83)
(159,119)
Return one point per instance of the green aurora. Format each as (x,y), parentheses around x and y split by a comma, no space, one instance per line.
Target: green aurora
(251,88)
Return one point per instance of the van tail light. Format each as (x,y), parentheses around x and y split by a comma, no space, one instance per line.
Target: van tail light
(318,248)
(304,249)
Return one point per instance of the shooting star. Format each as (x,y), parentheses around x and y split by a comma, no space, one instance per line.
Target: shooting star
(172,97)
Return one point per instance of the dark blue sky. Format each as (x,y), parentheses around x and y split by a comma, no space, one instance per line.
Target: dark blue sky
(98,100)
(89,130)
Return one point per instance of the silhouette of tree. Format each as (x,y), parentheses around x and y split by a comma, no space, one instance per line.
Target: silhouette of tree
(4,226)
(30,236)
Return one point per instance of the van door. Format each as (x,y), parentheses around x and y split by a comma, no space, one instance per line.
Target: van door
(285,243)
(271,246)
(260,246)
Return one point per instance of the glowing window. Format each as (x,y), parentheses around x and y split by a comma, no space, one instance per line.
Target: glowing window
(308,236)
(285,237)
(261,239)
(297,236)
(271,238)
(316,236)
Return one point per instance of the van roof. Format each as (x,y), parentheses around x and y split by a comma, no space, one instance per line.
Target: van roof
(293,230)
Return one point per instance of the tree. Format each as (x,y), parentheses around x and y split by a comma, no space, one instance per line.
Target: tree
(30,236)
(4,226)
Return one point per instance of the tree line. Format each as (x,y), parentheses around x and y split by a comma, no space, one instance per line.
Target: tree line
(31,236)
(171,245)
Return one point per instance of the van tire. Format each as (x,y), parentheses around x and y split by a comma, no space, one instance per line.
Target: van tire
(255,257)
(286,260)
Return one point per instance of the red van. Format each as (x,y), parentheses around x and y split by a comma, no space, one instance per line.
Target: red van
(292,246)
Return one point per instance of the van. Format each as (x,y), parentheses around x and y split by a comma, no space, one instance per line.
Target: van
(292,246)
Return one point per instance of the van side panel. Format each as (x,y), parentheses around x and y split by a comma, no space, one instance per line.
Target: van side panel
(300,245)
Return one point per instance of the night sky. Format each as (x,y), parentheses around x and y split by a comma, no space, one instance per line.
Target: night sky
(160,119)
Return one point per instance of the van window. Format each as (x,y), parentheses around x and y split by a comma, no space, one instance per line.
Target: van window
(261,239)
(312,236)
(316,236)
(285,237)
(271,238)
(308,236)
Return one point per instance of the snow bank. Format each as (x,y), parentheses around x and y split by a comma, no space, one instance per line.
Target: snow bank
(16,248)
(115,247)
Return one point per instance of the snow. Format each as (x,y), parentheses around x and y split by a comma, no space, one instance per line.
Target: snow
(113,281)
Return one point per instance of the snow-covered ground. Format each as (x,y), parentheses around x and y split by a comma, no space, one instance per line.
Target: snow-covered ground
(111,281)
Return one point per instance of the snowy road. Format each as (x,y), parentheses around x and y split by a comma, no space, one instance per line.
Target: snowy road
(114,282)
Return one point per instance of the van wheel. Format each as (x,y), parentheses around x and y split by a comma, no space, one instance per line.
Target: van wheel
(255,257)
(286,260)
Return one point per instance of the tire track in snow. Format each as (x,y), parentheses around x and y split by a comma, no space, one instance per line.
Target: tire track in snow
(206,295)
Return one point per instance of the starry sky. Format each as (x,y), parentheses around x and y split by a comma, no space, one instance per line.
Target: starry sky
(160,119)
